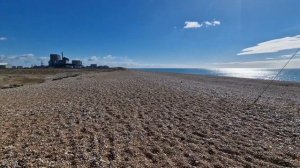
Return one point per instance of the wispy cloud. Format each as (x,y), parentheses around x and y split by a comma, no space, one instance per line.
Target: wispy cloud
(285,56)
(195,24)
(273,63)
(211,23)
(273,46)
(3,38)
(269,62)
(23,59)
(119,61)
(110,60)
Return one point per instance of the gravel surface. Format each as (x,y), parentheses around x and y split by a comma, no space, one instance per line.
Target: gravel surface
(142,119)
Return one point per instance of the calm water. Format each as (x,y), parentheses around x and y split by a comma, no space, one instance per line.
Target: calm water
(254,73)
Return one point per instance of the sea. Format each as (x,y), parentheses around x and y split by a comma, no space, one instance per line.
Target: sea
(292,75)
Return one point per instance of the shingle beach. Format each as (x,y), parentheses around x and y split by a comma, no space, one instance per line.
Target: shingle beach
(141,119)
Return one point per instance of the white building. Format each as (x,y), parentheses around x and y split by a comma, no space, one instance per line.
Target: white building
(4,65)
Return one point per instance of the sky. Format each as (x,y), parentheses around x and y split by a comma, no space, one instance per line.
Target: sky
(152,33)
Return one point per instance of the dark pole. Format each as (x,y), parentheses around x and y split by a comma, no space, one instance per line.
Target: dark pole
(271,81)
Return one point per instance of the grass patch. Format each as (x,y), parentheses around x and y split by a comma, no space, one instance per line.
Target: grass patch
(12,81)
(10,78)
(66,76)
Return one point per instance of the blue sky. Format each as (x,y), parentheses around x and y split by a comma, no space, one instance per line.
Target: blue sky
(152,33)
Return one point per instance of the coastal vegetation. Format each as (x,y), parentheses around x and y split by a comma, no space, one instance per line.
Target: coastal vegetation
(11,78)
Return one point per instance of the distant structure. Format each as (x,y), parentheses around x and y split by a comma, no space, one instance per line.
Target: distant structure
(77,63)
(17,67)
(57,61)
(4,65)
(93,65)
(42,64)
(103,67)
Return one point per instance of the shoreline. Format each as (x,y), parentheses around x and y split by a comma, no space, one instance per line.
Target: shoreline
(186,75)
(214,75)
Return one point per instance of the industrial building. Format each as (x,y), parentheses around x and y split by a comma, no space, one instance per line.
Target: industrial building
(4,65)
(93,65)
(77,63)
(59,61)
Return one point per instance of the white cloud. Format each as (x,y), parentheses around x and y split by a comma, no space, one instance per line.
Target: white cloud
(92,58)
(24,59)
(195,24)
(109,57)
(289,56)
(3,38)
(286,56)
(207,23)
(211,23)
(110,60)
(116,61)
(192,25)
(275,63)
(273,46)
(216,22)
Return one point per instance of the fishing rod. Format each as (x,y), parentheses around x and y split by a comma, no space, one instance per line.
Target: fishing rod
(271,81)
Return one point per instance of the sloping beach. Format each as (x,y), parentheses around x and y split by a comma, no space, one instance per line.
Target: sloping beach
(142,119)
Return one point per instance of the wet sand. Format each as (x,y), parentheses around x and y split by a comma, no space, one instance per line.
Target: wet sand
(142,119)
